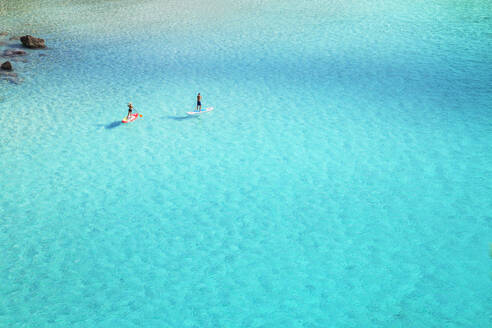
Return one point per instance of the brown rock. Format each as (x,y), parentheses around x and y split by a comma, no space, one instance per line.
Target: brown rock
(32,42)
(4,33)
(7,66)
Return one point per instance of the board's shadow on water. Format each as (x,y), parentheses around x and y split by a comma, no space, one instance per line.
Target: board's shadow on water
(179,118)
(111,125)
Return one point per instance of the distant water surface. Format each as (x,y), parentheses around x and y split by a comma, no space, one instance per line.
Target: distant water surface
(343,179)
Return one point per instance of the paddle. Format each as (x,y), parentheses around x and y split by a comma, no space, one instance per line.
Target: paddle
(138,113)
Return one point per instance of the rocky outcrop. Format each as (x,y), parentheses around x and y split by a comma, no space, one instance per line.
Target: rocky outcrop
(32,42)
(14,55)
(7,66)
(4,33)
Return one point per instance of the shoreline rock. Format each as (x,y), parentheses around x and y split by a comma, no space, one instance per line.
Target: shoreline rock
(7,66)
(31,42)
(16,55)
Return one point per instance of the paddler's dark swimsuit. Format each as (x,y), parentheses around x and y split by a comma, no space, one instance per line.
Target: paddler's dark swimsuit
(199,102)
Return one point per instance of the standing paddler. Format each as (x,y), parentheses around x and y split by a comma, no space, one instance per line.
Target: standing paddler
(198,102)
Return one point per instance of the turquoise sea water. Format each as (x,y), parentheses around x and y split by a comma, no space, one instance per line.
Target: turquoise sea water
(343,179)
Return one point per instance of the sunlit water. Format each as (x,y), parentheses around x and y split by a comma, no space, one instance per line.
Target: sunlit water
(343,179)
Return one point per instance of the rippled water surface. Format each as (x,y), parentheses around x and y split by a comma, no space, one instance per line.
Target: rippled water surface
(343,179)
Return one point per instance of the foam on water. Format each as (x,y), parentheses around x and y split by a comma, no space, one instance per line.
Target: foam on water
(342,180)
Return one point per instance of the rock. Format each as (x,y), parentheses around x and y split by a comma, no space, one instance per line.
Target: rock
(4,33)
(32,42)
(14,38)
(3,43)
(13,52)
(7,66)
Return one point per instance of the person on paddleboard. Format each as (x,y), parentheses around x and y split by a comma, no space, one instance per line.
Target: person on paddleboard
(198,102)
(130,109)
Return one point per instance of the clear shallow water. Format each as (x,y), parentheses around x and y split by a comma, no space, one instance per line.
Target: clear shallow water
(342,180)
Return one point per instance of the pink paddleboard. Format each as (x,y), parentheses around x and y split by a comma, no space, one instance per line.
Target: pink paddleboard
(132,118)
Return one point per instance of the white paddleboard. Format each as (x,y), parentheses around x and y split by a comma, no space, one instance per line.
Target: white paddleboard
(206,110)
